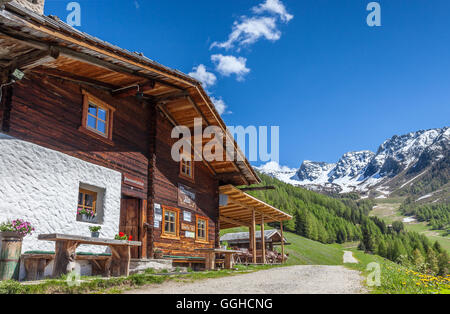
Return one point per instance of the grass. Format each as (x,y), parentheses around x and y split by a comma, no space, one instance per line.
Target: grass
(433,235)
(396,279)
(303,251)
(307,252)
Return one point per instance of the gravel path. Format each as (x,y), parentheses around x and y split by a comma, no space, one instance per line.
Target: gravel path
(349,258)
(283,280)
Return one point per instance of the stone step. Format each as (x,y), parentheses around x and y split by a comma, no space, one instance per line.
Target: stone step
(140,265)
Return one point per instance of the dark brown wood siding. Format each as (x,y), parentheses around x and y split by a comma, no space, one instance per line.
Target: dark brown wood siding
(165,192)
(48,112)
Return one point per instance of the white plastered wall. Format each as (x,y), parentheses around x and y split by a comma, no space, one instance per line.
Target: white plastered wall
(41,186)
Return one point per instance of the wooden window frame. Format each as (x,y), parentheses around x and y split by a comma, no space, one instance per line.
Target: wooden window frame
(205,239)
(184,175)
(88,98)
(164,234)
(88,192)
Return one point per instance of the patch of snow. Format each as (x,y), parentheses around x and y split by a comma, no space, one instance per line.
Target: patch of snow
(413,179)
(424,197)
(409,220)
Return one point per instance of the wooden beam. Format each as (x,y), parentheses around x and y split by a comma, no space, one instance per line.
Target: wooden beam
(227,176)
(74,78)
(230,200)
(34,59)
(132,90)
(170,97)
(262,188)
(263,241)
(234,221)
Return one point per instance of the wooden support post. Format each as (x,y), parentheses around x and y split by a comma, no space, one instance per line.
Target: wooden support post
(210,261)
(263,241)
(65,254)
(282,243)
(120,261)
(143,229)
(229,261)
(253,236)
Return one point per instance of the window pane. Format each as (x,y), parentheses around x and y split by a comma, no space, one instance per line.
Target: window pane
(92,122)
(93,109)
(101,126)
(89,200)
(166,226)
(80,199)
(102,114)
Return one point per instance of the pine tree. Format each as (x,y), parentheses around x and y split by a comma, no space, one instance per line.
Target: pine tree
(432,261)
(443,260)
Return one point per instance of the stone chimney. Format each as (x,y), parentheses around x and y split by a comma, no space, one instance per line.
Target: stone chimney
(33,5)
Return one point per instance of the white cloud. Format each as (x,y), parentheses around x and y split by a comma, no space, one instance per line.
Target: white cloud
(201,74)
(274,7)
(249,31)
(229,65)
(220,105)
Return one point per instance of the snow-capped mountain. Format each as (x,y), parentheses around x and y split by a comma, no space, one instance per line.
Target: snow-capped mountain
(397,163)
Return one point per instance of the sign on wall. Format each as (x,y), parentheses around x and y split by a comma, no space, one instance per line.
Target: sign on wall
(187,216)
(186,227)
(186,197)
(189,234)
(133,182)
(157,216)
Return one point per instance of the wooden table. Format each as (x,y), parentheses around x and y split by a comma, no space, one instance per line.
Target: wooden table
(211,257)
(65,252)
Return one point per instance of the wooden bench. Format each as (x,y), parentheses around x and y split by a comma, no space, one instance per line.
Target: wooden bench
(35,263)
(189,260)
(211,257)
(118,264)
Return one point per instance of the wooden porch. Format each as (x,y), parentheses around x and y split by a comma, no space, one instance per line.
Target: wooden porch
(238,208)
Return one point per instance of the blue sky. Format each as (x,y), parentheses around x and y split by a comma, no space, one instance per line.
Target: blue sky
(313,67)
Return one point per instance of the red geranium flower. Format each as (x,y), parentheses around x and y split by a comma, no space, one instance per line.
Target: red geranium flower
(130,238)
(121,234)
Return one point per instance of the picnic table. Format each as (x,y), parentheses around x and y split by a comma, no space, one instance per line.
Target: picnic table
(65,252)
(211,257)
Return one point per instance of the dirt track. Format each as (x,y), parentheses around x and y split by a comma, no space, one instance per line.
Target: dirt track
(294,279)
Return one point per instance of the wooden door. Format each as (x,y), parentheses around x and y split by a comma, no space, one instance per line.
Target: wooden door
(129,221)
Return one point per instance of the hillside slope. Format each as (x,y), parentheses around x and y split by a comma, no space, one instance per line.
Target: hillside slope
(304,251)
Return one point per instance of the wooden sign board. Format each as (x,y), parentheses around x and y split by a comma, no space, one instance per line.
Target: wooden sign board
(186,227)
(133,182)
(186,197)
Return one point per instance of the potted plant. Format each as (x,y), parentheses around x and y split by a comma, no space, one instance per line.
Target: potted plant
(95,231)
(158,254)
(225,245)
(17,228)
(12,234)
(123,237)
(87,215)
